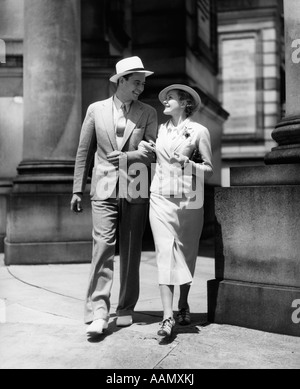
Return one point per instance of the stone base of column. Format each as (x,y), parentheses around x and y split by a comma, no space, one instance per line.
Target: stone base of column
(41,228)
(42,253)
(287,135)
(5,189)
(259,307)
(257,249)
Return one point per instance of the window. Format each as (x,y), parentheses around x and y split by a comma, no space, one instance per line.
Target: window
(204,21)
(202,31)
(240,84)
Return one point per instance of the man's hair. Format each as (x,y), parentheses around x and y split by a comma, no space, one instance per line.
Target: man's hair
(190,102)
(127,76)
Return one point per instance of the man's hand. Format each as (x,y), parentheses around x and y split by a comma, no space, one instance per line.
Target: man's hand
(114,158)
(76,203)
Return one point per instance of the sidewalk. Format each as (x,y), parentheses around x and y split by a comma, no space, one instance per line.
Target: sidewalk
(41,310)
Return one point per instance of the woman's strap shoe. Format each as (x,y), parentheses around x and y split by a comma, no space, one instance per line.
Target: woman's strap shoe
(166,327)
(184,317)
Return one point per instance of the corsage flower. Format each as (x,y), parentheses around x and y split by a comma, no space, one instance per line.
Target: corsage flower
(187,133)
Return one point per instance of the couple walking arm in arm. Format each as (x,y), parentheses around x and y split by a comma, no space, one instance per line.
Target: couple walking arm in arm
(116,134)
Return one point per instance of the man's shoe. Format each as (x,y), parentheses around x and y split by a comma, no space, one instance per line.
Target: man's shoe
(97,328)
(124,321)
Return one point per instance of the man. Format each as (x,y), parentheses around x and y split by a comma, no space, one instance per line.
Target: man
(110,134)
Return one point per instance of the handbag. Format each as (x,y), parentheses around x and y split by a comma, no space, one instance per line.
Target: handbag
(196,156)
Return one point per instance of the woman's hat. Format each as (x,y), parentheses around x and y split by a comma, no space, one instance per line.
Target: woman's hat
(127,66)
(163,94)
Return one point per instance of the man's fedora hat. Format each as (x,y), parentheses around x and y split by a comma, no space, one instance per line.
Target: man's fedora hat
(163,94)
(127,66)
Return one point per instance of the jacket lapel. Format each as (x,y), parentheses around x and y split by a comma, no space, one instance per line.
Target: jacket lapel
(108,119)
(176,143)
(133,117)
(180,141)
(164,143)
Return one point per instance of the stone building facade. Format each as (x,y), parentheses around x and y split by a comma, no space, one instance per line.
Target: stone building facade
(59,57)
(257,267)
(251,73)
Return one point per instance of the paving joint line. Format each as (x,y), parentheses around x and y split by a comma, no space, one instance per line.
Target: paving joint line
(40,287)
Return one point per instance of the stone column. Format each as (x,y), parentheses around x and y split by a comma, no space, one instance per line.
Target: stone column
(40,226)
(257,282)
(287,132)
(52,80)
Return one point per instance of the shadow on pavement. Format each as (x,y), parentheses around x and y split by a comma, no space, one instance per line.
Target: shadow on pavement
(154,317)
(149,318)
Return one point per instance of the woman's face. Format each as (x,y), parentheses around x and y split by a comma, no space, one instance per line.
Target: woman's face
(173,106)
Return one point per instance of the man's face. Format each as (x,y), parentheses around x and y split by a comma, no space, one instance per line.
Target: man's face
(130,90)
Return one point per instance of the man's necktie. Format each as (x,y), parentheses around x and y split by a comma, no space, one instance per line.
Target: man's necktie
(121,125)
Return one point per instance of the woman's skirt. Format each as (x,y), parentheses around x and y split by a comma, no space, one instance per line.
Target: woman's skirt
(176,231)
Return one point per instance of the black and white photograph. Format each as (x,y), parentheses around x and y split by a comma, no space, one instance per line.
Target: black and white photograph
(150,187)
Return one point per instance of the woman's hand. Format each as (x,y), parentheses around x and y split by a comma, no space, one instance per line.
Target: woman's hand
(147,146)
(180,159)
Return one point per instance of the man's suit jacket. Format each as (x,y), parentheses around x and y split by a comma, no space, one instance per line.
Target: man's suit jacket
(98,138)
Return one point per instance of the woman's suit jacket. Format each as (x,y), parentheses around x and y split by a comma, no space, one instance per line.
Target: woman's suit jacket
(170,179)
(98,139)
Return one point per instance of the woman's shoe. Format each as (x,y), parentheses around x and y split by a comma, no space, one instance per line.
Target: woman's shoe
(184,317)
(166,327)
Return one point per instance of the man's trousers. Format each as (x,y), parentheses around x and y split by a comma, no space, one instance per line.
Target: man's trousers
(109,217)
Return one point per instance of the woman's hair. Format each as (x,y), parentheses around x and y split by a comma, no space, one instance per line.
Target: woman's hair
(190,102)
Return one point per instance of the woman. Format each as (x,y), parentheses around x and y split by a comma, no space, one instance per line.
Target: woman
(176,202)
